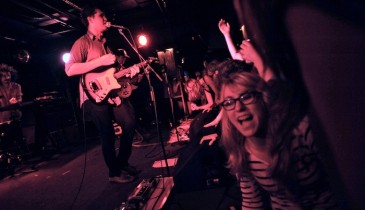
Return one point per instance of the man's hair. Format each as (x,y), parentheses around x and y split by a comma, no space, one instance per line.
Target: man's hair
(6,68)
(87,11)
(121,52)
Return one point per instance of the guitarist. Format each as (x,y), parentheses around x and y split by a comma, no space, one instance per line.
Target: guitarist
(125,92)
(121,56)
(90,53)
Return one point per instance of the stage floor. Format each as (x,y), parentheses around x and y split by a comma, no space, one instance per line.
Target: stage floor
(77,178)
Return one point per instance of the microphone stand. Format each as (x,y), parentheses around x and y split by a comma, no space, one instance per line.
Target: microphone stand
(171,104)
(152,95)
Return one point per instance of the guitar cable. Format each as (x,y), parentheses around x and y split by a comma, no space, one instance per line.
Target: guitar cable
(85,156)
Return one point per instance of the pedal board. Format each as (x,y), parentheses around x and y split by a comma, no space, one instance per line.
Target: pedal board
(150,194)
(142,193)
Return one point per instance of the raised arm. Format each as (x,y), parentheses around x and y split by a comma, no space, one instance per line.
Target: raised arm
(225,29)
(246,52)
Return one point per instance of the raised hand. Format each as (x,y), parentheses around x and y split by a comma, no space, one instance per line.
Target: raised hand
(224,27)
(249,53)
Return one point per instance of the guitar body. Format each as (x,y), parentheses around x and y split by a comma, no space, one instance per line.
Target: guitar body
(99,84)
(127,86)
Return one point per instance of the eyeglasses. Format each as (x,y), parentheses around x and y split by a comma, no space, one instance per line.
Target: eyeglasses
(245,99)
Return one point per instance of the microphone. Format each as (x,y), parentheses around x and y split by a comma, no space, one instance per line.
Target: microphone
(108,24)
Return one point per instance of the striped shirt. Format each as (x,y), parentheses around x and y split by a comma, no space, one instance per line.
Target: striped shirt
(310,190)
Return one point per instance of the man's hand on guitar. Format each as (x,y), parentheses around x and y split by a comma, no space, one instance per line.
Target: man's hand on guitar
(107,59)
(134,70)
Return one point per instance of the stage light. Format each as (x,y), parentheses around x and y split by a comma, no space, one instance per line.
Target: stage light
(142,40)
(66,57)
(23,56)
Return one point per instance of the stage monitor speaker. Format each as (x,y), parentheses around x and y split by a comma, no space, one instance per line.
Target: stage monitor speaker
(201,167)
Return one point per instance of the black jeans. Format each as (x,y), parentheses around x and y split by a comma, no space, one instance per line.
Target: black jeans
(102,116)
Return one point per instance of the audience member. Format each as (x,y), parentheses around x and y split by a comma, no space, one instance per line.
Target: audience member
(272,153)
(209,75)
(10,114)
(200,100)
(10,94)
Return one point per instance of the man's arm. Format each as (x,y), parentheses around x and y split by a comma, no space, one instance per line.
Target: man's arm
(75,68)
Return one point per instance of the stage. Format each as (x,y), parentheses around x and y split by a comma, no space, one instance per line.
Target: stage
(75,177)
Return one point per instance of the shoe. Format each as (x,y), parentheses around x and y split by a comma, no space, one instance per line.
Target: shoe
(122,179)
(131,170)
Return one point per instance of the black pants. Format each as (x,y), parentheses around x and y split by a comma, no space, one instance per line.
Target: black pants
(102,116)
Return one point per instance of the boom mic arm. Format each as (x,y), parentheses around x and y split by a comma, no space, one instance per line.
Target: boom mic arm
(108,24)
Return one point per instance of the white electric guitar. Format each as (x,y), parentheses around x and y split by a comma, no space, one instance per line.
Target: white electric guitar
(98,85)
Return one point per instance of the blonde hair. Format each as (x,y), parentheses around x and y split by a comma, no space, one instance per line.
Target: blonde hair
(197,91)
(234,74)
(284,112)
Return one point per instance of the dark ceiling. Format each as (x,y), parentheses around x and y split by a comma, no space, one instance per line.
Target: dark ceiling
(186,25)
(47,29)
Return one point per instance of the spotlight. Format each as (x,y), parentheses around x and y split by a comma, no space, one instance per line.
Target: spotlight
(66,57)
(142,40)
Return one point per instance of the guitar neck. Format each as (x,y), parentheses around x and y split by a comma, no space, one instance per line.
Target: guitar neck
(126,71)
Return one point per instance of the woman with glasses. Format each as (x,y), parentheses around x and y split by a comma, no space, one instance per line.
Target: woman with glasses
(272,153)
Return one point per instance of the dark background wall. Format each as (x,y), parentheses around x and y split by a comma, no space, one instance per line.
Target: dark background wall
(321,46)
(330,45)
